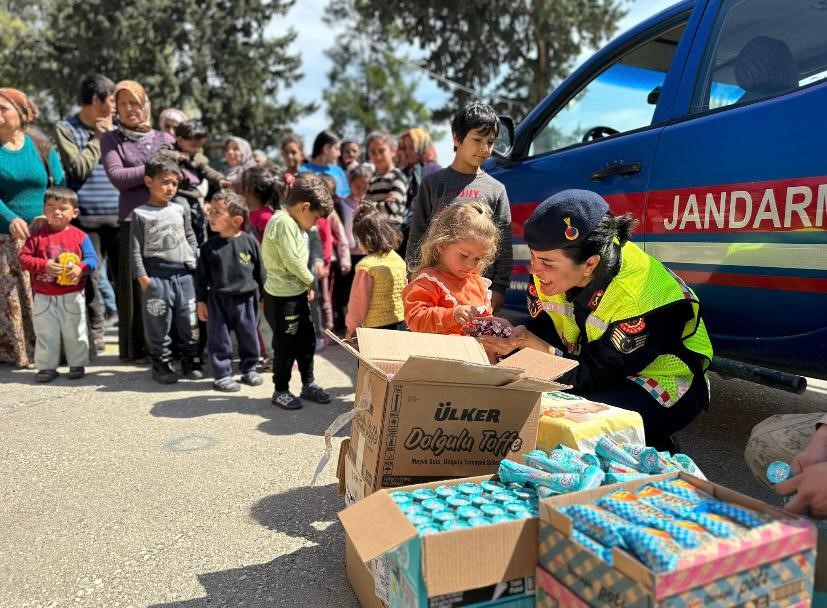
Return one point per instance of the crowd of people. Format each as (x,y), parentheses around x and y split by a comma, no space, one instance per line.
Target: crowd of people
(122,222)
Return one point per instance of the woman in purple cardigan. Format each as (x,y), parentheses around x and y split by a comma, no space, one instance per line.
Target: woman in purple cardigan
(125,151)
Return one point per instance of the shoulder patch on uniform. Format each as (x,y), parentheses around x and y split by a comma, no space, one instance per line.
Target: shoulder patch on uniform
(535,306)
(633,327)
(626,343)
(594,302)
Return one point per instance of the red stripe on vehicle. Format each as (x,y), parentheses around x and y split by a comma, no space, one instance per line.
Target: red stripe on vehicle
(755,281)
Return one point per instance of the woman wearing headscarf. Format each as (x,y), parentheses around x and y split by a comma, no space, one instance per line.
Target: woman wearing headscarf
(28,163)
(125,151)
(419,154)
(238,154)
(169,119)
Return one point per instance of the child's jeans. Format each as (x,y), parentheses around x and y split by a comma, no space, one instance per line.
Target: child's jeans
(60,316)
(168,302)
(232,313)
(293,337)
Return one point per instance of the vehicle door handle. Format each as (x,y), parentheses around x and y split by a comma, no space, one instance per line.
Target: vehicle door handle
(616,168)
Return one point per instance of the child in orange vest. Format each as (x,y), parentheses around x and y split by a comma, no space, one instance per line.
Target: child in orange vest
(380,276)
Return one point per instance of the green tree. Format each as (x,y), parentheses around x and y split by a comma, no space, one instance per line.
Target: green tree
(19,43)
(209,57)
(370,87)
(511,52)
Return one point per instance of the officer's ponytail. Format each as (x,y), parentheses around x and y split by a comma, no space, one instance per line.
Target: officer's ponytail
(606,240)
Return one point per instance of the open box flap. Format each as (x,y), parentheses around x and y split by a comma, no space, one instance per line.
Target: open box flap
(433,369)
(375,525)
(389,345)
(355,353)
(488,555)
(538,365)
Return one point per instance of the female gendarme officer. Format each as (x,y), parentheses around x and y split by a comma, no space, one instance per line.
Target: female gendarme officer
(634,326)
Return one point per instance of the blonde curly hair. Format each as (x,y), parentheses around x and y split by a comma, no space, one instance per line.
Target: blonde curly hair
(460,221)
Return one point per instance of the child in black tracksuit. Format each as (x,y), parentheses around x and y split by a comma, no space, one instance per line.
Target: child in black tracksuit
(228,283)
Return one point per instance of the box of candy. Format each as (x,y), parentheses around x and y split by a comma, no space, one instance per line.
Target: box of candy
(466,542)
(578,423)
(431,407)
(676,541)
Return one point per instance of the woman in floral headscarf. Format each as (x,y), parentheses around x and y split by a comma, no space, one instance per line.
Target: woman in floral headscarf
(125,150)
(28,163)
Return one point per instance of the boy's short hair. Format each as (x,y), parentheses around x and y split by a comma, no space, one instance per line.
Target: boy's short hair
(309,188)
(160,164)
(235,203)
(478,116)
(372,227)
(365,170)
(191,129)
(62,194)
(381,136)
(95,86)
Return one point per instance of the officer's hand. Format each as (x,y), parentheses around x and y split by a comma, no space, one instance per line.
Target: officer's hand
(499,346)
(810,491)
(814,453)
(201,309)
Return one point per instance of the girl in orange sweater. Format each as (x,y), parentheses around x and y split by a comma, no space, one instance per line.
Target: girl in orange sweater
(447,291)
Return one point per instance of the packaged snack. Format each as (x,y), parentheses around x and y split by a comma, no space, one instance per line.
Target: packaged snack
(597,523)
(605,553)
(610,450)
(654,548)
(778,471)
(559,482)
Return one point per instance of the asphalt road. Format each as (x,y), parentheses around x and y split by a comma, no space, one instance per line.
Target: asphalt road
(118,492)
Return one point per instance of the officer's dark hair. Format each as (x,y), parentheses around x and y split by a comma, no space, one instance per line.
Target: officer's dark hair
(191,129)
(475,115)
(95,85)
(160,164)
(606,240)
(322,139)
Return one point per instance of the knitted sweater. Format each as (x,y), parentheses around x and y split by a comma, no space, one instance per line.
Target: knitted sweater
(23,182)
(124,162)
(376,294)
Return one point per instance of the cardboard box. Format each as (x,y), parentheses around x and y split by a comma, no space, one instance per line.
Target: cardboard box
(487,566)
(579,423)
(771,567)
(431,407)
(551,593)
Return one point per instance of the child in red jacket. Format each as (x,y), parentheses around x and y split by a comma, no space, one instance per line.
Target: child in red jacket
(59,258)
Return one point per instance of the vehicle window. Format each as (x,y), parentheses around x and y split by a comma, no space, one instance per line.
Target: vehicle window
(762,48)
(621,98)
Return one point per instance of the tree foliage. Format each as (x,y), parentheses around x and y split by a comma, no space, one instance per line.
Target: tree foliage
(509,52)
(370,86)
(212,58)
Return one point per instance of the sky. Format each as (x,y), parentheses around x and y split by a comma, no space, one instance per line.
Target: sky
(314,37)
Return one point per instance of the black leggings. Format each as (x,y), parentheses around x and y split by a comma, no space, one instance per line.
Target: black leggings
(293,337)
(659,422)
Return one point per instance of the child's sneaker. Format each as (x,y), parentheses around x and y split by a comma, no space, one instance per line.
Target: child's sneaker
(191,370)
(286,400)
(76,373)
(46,375)
(226,385)
(252,378)
(163,373)
(314,392)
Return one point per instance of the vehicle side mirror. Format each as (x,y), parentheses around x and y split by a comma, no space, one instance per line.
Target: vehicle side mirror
(505,140)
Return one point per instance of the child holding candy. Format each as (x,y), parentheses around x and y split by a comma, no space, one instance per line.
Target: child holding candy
(448,292)
(380,276)
(59,258)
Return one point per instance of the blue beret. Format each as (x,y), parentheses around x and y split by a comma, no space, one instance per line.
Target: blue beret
(564,219)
